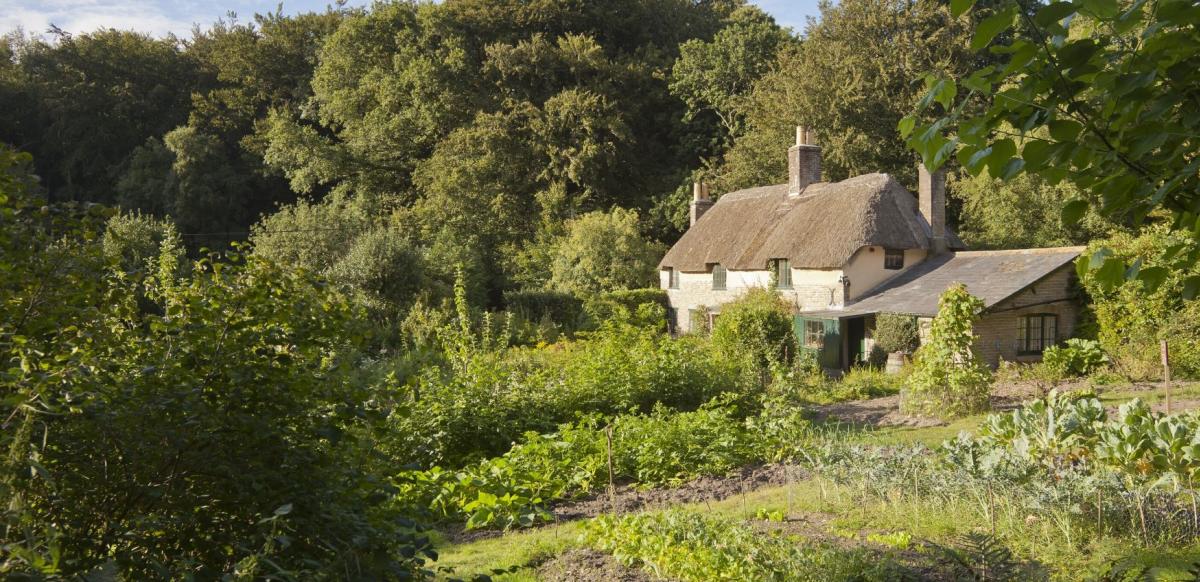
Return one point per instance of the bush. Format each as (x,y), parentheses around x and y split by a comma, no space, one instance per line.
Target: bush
(670,448)
(603,251)
(133,240)
(563,309)
(756,330)
(897,333)
(947,379)
(1078,357)
(1131,319)
(629,306)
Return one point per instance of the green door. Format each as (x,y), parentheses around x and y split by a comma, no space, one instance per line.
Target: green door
(822,337)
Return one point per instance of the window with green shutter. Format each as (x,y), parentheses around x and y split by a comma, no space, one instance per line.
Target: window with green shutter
(718,275)
(782,269)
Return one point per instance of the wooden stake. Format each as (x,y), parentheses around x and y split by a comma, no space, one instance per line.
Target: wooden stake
(1166,364)
(612,487)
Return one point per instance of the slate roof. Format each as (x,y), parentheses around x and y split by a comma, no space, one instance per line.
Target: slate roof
(993,276)
(819,229)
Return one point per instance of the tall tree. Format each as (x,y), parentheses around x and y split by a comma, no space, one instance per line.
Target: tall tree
(851,82)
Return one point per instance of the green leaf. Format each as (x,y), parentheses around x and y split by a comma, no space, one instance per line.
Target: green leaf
(1191,286)
(960,7)
(1104,9)
(906,125)
(1153,277)
(1073,212)
(945,91)
(992,26)
(1065,129)
(1053,13)
(1036,153)
(1001,152)
(284,509)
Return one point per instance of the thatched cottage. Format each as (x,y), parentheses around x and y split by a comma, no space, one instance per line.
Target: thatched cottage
(842,252)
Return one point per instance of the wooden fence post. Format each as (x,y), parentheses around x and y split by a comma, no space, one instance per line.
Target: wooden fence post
(1166,364)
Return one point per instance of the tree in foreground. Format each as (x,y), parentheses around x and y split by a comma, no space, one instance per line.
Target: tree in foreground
(947,378)
(603,251)
(1098,93)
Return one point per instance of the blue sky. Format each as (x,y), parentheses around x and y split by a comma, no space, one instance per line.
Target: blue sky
(160,17)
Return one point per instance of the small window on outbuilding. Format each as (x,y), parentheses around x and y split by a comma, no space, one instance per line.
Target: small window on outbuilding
(672,278)
(782,270)
(1036,333)
(718,276)
(893,259)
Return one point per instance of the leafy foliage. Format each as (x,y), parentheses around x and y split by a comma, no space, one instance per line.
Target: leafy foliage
(947,379)
(896,332)
(756,329)
(603,251)
(1132,317)
(693,547)
(1095,93)
(1077,357)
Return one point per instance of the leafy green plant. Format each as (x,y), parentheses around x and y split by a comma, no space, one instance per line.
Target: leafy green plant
(896,332)
(755,329)
(692,547)
(947,379)
(669,448)
(1077,357)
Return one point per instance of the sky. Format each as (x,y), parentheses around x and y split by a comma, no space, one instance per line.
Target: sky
(160,17)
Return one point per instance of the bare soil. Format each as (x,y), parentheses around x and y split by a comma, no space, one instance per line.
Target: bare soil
(586,565)
(628,499)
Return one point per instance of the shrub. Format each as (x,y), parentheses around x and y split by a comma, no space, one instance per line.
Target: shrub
(564,309)
(132,240)
(947,379)
(628,306)
(670,448)
(1078,357)
(897,333)
(603,251)
(755,330)
(1131,319)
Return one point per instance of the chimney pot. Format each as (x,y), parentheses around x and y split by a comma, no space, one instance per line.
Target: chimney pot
(804,162)
(931,200)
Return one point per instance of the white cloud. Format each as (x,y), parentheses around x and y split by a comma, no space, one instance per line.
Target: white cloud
(36,16)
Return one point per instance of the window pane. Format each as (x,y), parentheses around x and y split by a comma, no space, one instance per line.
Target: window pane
(893,259)
(1050,330)
(718,274)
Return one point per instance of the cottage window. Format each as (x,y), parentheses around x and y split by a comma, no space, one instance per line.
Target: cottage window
(718,275)
(783,273)
(893,259)
(672,278)
(814,334)
(1036,333)
(672,320)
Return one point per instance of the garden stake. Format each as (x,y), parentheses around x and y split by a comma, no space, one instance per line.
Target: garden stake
(1166,364)
(991,508)
(612,488)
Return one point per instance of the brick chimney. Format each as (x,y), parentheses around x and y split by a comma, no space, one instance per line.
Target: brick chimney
(804,162)
(700,200)
(931,196)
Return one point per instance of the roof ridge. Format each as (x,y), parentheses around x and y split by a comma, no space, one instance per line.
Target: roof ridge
(1032,251)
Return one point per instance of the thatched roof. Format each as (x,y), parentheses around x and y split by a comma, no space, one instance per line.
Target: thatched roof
(819,229)
(992,276)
